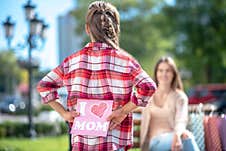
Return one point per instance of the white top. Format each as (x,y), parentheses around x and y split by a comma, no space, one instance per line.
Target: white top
(171,117)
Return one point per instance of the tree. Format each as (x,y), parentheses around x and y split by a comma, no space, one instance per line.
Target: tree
(200,27)
(10,73)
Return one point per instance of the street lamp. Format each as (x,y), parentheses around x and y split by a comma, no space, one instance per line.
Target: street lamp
(29,10)
(9,29)
(37,32)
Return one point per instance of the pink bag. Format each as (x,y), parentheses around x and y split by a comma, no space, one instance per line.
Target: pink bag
(212,136)
(222,131)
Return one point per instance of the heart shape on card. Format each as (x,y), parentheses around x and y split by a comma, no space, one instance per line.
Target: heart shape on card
(98,110)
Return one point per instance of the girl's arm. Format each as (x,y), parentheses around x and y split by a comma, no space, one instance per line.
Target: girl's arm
(67,115)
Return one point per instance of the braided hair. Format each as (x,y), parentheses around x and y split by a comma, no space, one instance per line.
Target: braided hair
(103,20)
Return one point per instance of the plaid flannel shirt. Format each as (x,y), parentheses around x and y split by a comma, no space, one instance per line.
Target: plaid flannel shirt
(100,72)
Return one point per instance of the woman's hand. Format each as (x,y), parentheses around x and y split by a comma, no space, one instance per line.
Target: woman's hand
(177,143)
(116,118)
(70,115)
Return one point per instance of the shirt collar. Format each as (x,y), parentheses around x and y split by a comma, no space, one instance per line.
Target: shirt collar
(98,46)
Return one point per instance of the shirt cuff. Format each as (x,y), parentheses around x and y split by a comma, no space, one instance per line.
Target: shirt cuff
(50,97)
(180,128)
(138,101)
(134,99)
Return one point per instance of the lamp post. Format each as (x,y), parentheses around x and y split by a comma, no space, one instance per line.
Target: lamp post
(37,30)
(9,28)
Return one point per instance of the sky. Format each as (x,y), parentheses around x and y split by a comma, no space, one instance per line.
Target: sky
(47,10)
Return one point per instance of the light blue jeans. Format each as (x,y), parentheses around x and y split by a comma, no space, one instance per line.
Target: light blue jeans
(121,149)
(163,143)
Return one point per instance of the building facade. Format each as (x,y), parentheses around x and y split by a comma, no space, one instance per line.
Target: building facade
(68,41)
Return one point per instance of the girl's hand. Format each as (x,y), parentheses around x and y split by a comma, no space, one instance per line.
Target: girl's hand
(116,118)
(70,115)
(177,143)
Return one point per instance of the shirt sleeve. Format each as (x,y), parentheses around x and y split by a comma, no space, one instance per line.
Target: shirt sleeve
(144,85)
(48,86)
(181,116)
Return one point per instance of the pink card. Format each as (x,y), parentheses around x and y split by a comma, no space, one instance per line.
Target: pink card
(92,120)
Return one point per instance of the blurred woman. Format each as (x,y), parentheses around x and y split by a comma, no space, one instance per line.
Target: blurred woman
(164,119)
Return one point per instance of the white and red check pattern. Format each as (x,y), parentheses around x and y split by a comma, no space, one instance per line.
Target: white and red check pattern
(100,72)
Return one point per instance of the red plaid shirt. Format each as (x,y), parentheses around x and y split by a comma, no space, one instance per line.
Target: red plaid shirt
(100,72)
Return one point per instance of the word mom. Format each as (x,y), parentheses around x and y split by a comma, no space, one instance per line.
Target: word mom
(92,120)
(91,126)
(92,123)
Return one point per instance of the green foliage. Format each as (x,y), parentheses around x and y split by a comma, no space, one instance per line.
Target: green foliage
(15,129)
(9,129)
(200,27)
(44,108)
(10,73)
(63,128)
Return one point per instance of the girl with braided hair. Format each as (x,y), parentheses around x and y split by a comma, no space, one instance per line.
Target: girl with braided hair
(100,71)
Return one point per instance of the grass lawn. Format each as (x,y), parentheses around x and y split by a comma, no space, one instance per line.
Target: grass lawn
(59,143)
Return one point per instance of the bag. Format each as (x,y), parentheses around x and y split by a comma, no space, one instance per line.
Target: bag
(212,136)
(195,125)
(222,132)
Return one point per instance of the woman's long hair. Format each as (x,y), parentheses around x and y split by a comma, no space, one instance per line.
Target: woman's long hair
(104,23)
